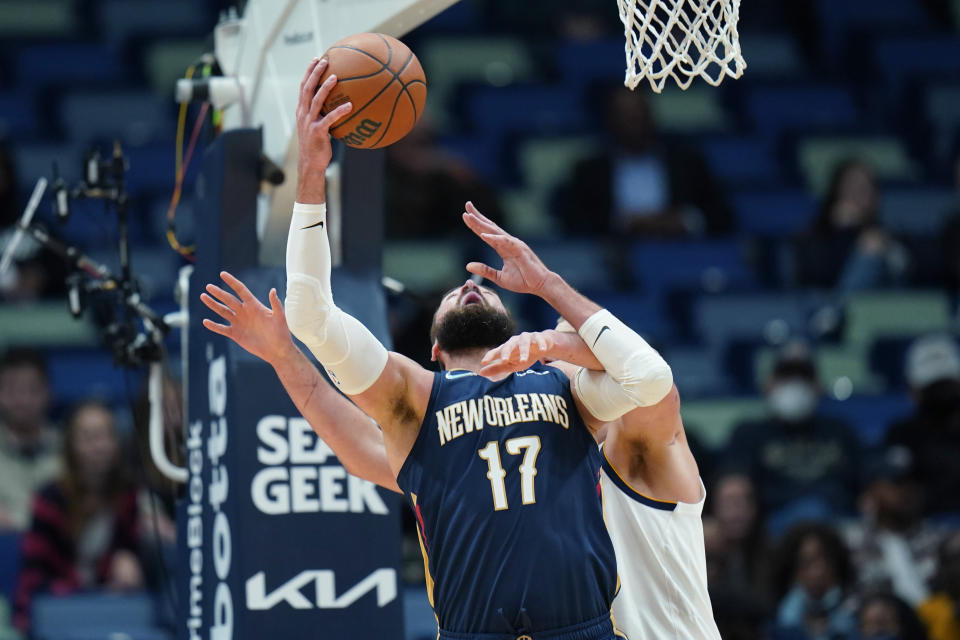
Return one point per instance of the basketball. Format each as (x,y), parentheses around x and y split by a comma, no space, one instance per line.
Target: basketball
(385,82)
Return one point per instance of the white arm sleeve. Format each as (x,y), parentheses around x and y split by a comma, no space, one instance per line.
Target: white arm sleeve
(351,355)
(635,374)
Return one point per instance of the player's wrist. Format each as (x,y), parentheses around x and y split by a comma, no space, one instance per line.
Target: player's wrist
(312,186)
(554,287)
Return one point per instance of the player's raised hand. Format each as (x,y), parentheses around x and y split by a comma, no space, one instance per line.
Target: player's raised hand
(516,354)
(313,131)
(522,270)
(259,329)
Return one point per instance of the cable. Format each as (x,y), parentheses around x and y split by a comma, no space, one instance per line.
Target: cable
(185,251)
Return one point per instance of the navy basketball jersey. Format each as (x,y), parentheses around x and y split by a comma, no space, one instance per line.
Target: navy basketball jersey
(503,480)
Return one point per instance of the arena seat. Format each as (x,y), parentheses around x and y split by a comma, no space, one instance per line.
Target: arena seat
(95,616)
(713,421)
(942,111)
(696,110)
(869,415)
(43,65)
(453,61)
(582,63)
(34,160)
(738,160)
(871,315)
(585,264)
(78,373)
(778,213)
(643,314)
(818,156)
(37,18)
(771,54)
(905,58)
(151,168)
(134,117)
(698,372)
(424,266)
(9,563)
(775,109)
(918,211)
(167,60)
(842,369)
(708,265)
(526,109)
(18,115)
(547,162)
(122,20)
(838,19)
(43,324)
(752,316)
(528,214)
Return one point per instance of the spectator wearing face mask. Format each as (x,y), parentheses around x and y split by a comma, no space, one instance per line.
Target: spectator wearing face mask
(805,465)
(929,440)
(884,616)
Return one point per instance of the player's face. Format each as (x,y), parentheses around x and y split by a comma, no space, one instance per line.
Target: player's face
(469,293)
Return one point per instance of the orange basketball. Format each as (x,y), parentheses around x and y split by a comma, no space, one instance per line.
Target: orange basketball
(385,83)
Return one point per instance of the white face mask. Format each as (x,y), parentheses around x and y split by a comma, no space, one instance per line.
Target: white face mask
(793,400)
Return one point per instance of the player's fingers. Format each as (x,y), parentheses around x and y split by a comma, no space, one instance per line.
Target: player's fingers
(221,310)
(541,343)
(308,85)
(524,350)
(323,91)
(471,208)
(224,297)
(275,305)
(477,225)
(221,329)
(490,355)
(335,116)
(484,271)
(237,286)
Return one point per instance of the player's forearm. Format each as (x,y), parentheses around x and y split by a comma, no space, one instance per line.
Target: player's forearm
(570,347)
(572,305)
(351,434)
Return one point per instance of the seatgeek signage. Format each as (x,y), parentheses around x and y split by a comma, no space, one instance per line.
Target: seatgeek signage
(276,539)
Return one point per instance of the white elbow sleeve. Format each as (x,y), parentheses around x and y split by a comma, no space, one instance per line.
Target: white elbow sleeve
(351,355)
(642,376)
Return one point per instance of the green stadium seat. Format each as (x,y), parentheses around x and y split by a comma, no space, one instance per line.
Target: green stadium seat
(447,62)
(843,369)
(713,421)
(817,158)
(167,60)
(527,213)
(903,313)
(43,325)
(36,18)
(772,54)
(424,266)
(546,162)
(698,109)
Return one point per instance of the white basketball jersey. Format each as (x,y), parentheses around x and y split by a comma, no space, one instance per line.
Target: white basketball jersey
(661,562)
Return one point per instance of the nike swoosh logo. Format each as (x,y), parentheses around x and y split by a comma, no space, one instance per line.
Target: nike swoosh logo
(318,224)
(605,327)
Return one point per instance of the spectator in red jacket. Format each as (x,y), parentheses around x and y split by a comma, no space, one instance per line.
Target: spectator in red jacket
(84,532)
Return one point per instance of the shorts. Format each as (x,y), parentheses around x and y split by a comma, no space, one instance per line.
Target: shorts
(597,629)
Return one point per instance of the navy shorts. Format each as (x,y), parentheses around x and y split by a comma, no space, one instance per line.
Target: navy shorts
(597,629)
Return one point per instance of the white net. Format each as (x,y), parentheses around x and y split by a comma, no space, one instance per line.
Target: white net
(681,39)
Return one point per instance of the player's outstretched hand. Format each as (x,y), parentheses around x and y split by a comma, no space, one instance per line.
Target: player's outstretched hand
(522,270)
(259,329)
(517,353)
(313,131)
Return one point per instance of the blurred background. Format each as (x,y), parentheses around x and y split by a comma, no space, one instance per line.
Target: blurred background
(790,241)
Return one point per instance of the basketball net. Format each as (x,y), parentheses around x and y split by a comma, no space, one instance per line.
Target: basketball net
(681,39)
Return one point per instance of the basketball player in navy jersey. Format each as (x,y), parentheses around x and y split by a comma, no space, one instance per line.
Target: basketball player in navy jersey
(500,472)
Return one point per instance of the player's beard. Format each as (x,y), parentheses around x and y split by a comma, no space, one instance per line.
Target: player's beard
(475,326)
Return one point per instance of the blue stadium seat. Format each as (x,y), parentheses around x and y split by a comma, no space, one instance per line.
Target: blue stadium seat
(36,160)
(838,19)
(712,265)
(917,211)
(779,213)
(905,58)
(525,109)
(121,20)
(134,117)
(773,110)
(481,152)
(583,263)
(751,317)
(95,616)
(772,54)
(644,314)
(152,167)
(9,563)
(739,160)
(76,374)
(18,115)
(698,372)
(67,64)
(869,415)
(581,63)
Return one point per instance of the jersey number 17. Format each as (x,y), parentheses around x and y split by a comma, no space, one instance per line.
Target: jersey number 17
(530,446)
